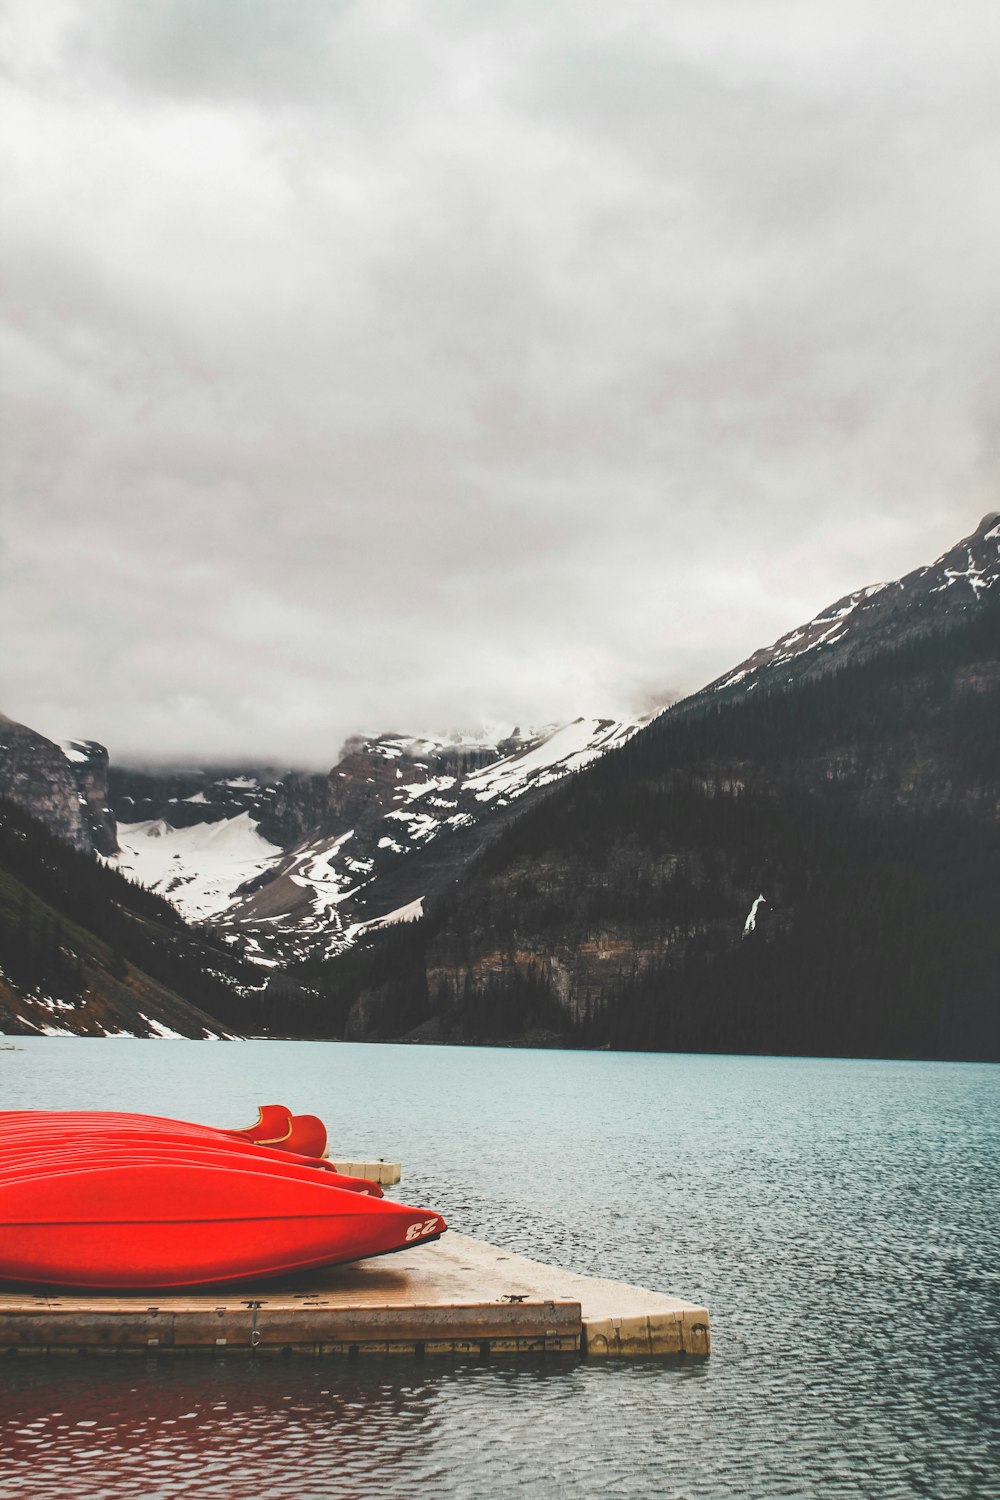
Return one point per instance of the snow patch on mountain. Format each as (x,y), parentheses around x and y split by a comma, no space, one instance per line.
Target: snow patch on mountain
(557,753)
(75,751)
(198,869)
(974,575)
(411,912)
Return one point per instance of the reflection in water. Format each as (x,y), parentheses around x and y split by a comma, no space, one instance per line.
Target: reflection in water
(839,1219)
(232,1428)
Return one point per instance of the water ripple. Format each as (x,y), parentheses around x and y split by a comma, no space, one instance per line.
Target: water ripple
(840,1220)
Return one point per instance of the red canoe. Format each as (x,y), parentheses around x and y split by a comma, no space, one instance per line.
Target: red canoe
(27,1142)
(109,1201)
(174,1221)
(275,1126)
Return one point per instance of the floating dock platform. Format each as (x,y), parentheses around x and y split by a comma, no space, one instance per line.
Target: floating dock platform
(385,1173)
(457,1296)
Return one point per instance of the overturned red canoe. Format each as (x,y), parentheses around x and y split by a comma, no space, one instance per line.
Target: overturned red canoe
(275,1126)
(25,1143)
(176,1218)
(106,1200)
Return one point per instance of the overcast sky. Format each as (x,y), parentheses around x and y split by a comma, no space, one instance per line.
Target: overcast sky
(420,365)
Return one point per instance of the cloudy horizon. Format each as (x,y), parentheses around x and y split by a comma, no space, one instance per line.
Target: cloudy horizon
(418,367)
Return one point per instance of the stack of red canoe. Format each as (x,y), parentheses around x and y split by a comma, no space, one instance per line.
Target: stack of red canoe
(108,1200)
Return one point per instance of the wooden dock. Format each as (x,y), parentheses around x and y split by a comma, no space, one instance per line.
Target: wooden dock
(458,1296)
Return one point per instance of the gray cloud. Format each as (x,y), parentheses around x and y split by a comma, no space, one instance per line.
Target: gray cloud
(376,365)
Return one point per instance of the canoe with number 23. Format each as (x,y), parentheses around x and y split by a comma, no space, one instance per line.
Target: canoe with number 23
(151,1212)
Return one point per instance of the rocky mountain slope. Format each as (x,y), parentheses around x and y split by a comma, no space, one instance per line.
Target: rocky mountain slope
(873,619)
(65,786)
(299,865)
(804,858)
(285,865)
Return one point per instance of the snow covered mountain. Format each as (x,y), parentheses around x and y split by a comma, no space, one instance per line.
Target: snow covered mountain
(300,865)
(197,868)
(804,858)
(293,865)
(284,865)
(872,618)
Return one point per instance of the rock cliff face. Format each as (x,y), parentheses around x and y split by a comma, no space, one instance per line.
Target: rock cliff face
(89,765)
(295,806)
(64,787)
(185,797)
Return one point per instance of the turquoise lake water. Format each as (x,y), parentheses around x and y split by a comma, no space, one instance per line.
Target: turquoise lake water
(840,1219)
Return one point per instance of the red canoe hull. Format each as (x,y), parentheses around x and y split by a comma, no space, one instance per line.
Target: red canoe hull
(109,1201)
(22,1140)
(276,1127)
(93,1221)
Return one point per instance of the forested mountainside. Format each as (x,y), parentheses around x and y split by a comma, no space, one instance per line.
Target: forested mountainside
(804,857)
(85,952)
(814,868)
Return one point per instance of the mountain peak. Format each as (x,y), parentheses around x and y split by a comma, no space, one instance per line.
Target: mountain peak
(880,615)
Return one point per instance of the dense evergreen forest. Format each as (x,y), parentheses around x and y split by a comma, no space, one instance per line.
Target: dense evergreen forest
(863,806)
